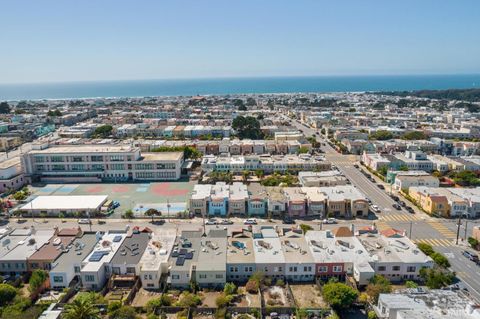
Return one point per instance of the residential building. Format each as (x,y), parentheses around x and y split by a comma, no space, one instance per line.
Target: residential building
(183,259)
(96,269)
(299,262)
(128,255)
(153,265)
(240,256)
(211,269)
(405,180)
(68,265)
(321,179)
(269,256)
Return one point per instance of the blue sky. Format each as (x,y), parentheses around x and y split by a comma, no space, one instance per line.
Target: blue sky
(49,41)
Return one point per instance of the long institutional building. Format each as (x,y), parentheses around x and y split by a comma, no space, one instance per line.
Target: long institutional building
(95,163)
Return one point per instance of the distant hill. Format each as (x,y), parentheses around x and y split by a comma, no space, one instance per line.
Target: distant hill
(471,95)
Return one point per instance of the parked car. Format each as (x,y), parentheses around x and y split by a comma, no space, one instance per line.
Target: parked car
(329,221)
(211,221)
(288,220)
(469,255)
(394,197)
(410,210)
(402,203)
(375,208)
(115,204)
(226,222)
(356,166)
(369,201)
(84,221)
(250,221)
(380,186)
(397,207)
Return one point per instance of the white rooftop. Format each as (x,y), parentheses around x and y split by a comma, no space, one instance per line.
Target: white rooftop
(69,202)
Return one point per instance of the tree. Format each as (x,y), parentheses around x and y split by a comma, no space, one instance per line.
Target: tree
(305,228)
(303,150)
(251,101)
(440,260)
(187,299)
(371,315)
(103,131)
(259,173)
(381,135)
(245,175)
(247,127)
(37,279)
(414,135)
(383,170)
(473,242)
(252,286)
(124,312)
(4,108)
(339,295)
(223,300)
(54,113)
(378,285)
(436,278)
(81,308)
(128,214)
(229,289)
(7,294)
(151,212)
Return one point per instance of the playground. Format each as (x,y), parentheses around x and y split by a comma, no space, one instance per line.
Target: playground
(163,196)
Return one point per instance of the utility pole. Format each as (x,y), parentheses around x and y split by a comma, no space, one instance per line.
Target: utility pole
(466,227)
(411,225)
(458,228)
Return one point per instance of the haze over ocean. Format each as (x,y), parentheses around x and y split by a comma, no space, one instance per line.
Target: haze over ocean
(221,86)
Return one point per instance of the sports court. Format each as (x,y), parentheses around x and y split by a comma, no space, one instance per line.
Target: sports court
(136,196)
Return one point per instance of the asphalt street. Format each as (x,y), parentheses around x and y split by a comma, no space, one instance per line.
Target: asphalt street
(438,232)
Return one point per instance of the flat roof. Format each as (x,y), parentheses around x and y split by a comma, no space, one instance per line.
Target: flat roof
(75,253)
(107,246)
(131,250)
(94,148)
(213,251)
(24,249)
(295,248)
(10,162)
(162,156)
(158,250)
(240,248)
(67,202)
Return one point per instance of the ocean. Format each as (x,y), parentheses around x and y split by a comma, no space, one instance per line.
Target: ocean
(222,86)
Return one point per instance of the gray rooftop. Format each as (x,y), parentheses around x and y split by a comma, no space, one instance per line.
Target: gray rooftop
(79,249)
(131,250)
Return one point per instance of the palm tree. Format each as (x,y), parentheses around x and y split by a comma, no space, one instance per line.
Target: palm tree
(245,175)
(81,308)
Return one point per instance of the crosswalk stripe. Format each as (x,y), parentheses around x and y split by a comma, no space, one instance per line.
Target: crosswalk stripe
(434,242)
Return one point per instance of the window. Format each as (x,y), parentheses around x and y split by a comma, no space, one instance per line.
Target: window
(411,269)
(322,269)
(175,277)
(58,167)
(202,276)
(97,158)
(381,268)
(337,268)
(116,158)
(56,158)
(396,268)
(76,269)
(57,279)
(219,276)
(89,278)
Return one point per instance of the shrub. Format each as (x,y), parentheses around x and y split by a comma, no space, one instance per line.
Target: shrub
(7,293)
(440,260)
(230,288)
(223,300)
(339,295)
(280,283)
(372,315)
(425,248)
(411,284)
(252,286)
(473,242)
(267,281)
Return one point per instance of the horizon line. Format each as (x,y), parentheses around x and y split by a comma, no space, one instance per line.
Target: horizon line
(237,77)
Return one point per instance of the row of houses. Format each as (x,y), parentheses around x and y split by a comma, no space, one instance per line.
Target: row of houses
(177,131)
(447,202)
(265,163)
(239,199)
(211,259)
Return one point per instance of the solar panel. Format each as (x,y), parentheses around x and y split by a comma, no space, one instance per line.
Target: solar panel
(97,256)
(117,238)
(188,255)
(180,261)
